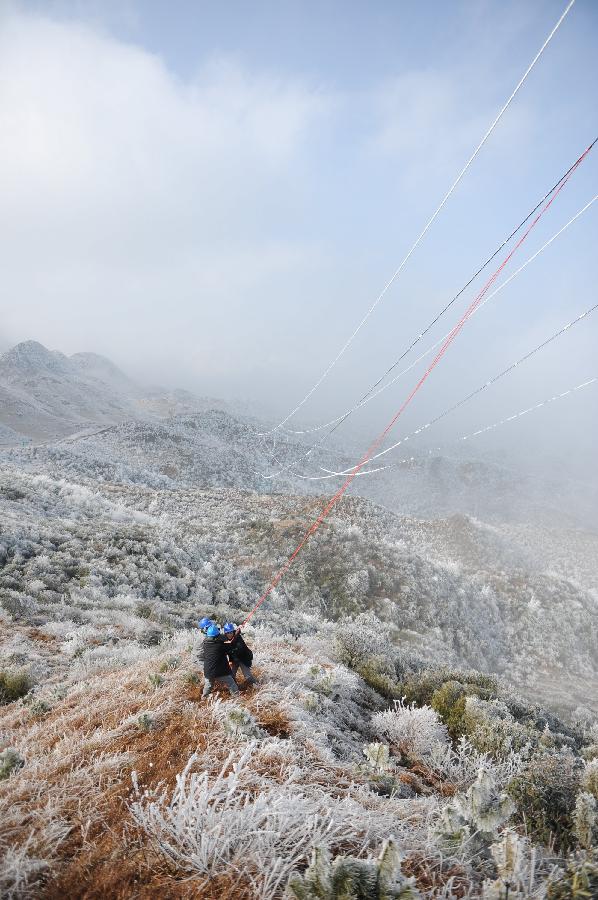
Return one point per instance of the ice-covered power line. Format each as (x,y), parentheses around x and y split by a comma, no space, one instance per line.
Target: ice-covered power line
(482,387)
(381,437)
(464,437)
(372,392)
(371,396)
(318,445)
(427,226)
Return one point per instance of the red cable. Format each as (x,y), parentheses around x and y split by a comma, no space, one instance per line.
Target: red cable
(378,441)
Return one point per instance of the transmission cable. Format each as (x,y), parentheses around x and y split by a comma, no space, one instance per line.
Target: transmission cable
(427,226)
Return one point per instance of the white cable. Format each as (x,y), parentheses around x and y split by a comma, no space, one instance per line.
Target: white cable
(318,444)
(437,344)
(464,437)
(422,234)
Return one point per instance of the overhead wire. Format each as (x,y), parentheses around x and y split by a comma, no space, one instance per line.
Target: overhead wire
(465,437)
(426,227)
(319,445)
(455,406)
(379,440)
(367,396)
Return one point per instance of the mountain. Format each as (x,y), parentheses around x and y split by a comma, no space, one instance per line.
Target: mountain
(45,395)
(427,668)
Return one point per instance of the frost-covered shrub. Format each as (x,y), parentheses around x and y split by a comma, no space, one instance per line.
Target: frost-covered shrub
(449,702)
(377,673)
(10,761)
(377,756)
(39,707)
(214,826)
(419,687)
(491,728)
(514,866)
(578,880)
(18,605)
(239,723)
(461,764)
(357,641)
(545,793)
(13,685)
(416,732)
(360,879)
(589,778)
(476,816)
(585,820)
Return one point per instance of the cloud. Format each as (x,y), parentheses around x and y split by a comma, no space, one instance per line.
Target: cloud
(131,198)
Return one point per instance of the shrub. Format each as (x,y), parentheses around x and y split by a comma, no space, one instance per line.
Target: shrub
(39,708)
(416,732)
(419,687)
(449,703)
(377,756)
(10,761)
(13,685)
(584,820)
(589,778)
(356,642)
(476,816)
(155,680)
(169,664)
(145,722)
(359,879)
(491,728)
(545,795)
(375,673)
(579,881)
(239,722)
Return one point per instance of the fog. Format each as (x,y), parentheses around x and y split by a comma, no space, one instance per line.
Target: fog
(213,200)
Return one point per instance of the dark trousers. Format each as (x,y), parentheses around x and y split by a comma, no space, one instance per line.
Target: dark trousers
(227,680)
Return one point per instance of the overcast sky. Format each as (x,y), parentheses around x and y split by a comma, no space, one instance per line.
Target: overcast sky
(212,194)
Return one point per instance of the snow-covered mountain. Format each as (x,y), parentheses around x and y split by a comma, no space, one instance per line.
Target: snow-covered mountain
(46,395)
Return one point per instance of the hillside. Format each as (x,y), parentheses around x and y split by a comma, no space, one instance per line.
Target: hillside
(45,395)
(119,781)
(425,723)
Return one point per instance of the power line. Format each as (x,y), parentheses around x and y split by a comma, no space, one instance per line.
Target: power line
(319,445)
(465,437)
(428,224)
(470,396)
(379,440)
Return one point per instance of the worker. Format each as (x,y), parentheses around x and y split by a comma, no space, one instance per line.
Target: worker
(204,624)
(241,657)
(216,666)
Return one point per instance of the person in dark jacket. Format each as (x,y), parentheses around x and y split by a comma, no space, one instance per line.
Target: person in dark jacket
(238,652)
(216,666)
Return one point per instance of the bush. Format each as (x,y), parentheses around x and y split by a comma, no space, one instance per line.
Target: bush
(10,761)
(579,881)
(416,732)
(449,703)
(376,675)
(420,687)
(13,685)
(545,795)
(491,728)
(361,879)
(589,778)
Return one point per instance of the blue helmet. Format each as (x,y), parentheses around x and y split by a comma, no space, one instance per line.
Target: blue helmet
(229,627)
(213,631)
(204,623)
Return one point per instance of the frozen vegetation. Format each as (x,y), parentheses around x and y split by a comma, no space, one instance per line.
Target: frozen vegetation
(425,723)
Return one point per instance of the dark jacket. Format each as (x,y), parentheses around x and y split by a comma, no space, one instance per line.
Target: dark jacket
(215,660)
(238,651)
